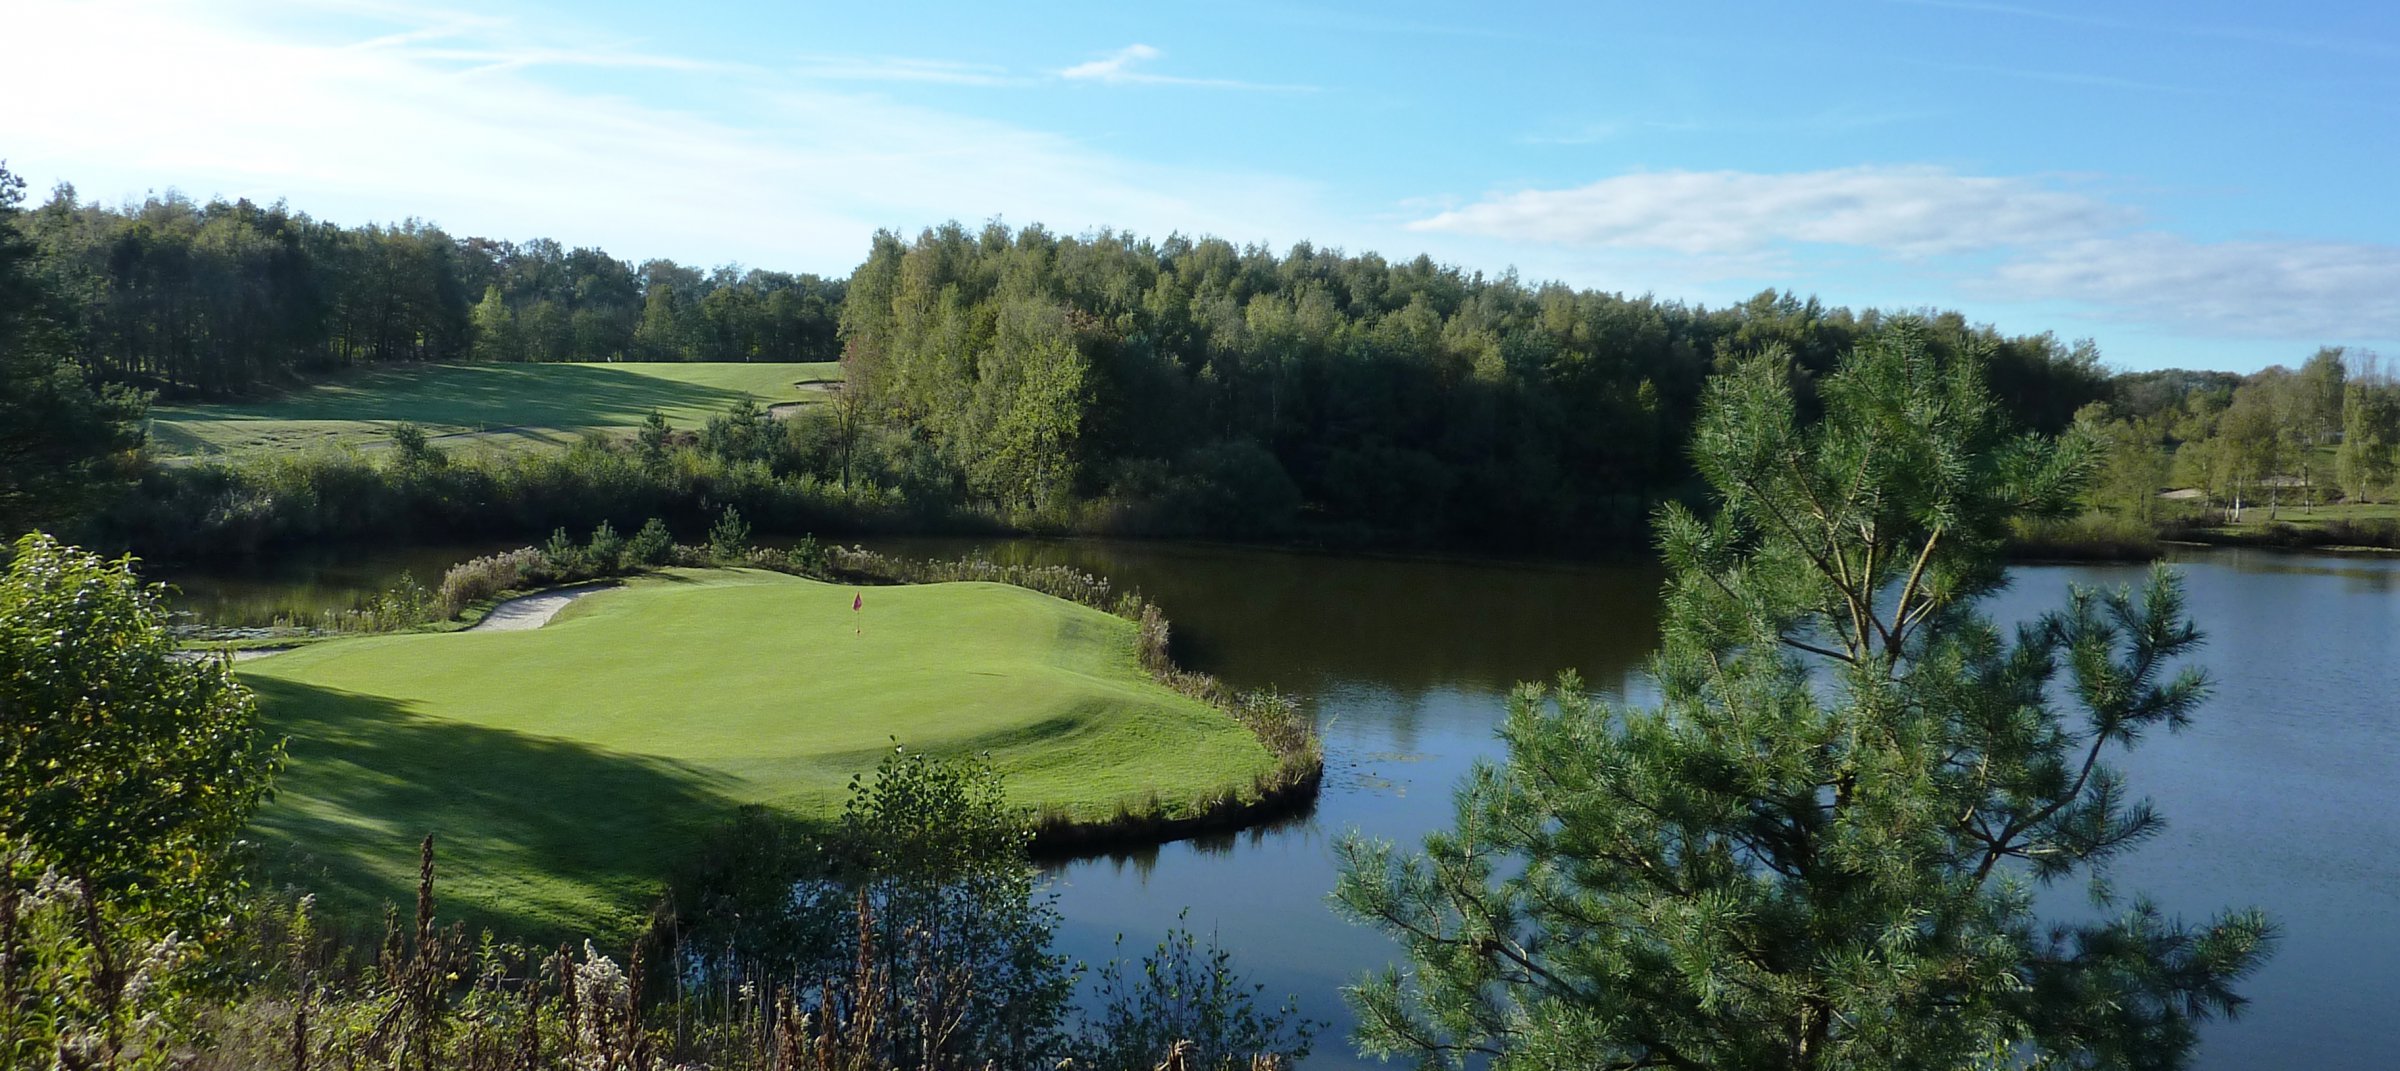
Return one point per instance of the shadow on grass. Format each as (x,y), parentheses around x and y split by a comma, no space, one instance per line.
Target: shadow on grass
(537,838)
(496,395)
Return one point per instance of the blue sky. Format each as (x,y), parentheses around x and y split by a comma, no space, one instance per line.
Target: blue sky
(2201,184)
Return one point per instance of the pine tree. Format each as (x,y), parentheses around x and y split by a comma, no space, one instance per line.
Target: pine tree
(1821,848)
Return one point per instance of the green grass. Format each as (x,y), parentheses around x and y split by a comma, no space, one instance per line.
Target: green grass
(566,770)
(2255,511)
(504,405)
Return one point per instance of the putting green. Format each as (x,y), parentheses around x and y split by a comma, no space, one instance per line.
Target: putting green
(502,405)
(567,769)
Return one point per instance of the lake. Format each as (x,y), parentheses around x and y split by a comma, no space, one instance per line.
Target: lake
(2279,795)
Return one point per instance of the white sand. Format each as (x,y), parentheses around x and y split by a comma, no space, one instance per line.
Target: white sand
(532,611)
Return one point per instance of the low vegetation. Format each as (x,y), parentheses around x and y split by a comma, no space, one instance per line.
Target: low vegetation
(417,491)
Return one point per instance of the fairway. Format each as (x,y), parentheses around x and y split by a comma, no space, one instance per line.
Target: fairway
(565,770)
(506,405)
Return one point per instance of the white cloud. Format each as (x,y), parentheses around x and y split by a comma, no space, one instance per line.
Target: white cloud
(1937,233)
(1120,68)
(461,121)
(1908,211)
(2259,288)
(1116,66)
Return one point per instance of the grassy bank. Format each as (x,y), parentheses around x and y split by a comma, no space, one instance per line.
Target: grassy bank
(567,769)
(2101,536)
(496,404)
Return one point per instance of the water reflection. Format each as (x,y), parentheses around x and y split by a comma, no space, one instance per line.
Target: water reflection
(303,583)
(1406,665)
(1315,623)
(2278,796)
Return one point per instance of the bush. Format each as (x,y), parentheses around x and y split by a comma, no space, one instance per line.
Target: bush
(653,545)
(809,557)
(729,540)
(1185,998)
(405,604)
(606,552)
(565,555)
(2101,536)
(480,579)
(411,448)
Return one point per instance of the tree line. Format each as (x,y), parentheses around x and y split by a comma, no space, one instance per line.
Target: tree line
(1188,385)
(1113,384)
(190,298)
(2327,431)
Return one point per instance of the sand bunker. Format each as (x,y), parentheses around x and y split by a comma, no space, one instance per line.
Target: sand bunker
(532,611)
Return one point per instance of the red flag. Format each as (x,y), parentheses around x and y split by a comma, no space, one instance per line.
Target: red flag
(858,602)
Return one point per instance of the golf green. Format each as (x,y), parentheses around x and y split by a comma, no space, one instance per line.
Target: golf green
(565,770)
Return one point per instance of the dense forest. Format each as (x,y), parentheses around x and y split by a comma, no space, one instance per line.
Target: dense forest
(193,299)
(1192,386)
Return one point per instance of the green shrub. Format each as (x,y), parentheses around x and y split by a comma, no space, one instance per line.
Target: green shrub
(809,557)
(565,555)
(653,545)
(730,538)
(606,552)
(476,580)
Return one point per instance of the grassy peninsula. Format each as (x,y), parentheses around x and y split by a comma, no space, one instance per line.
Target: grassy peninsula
(569,768)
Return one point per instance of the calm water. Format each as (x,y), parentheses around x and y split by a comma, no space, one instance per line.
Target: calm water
(301,585)
(2280,794)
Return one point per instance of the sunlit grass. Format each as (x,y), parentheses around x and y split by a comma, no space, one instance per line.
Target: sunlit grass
(504,405)
(566,770)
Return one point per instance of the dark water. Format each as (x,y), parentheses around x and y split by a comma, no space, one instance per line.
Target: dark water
(301,585)
(2280,795)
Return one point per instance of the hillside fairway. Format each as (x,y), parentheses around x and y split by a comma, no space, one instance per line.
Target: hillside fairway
(506,405)
(567,770)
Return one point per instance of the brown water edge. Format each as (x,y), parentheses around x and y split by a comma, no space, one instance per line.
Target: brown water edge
(1063,840)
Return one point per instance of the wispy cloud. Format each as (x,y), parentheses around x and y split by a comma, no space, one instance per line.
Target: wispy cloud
(2008,239)
(489,60)
(377,121)
(2259,288)
(1123,67)
(1907,211)
(903,69)
(2071,78)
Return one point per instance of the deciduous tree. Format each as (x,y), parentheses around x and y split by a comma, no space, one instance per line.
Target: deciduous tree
(119,763)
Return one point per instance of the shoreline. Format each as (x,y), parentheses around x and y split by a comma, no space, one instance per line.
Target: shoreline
(1285,781)
(1067,840)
